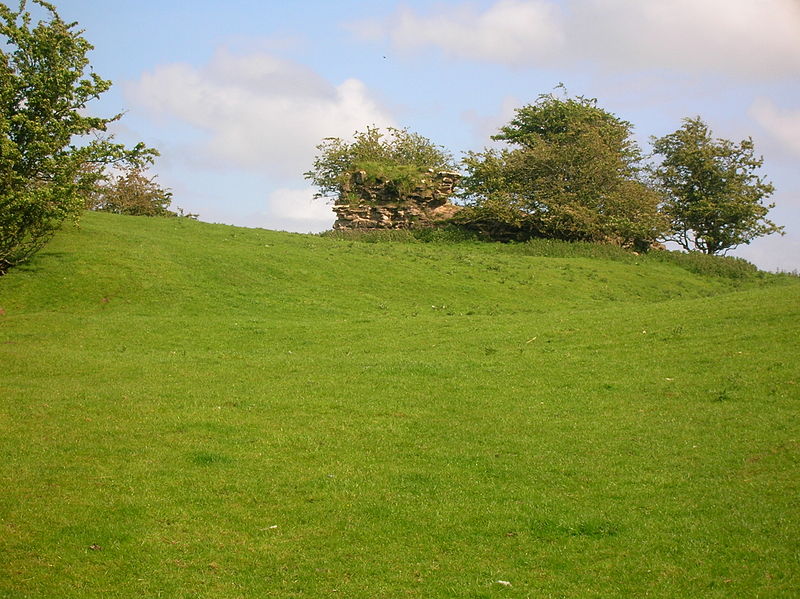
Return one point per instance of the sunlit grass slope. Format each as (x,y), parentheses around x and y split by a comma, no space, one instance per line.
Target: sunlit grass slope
(195,410)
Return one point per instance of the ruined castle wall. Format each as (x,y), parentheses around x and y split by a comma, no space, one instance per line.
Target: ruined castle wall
(381,205)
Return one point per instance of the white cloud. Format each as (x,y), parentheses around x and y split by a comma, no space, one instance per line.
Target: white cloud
(748,38)
(513,32)
(297,210)
(259,112)
(783,125)
(744,38)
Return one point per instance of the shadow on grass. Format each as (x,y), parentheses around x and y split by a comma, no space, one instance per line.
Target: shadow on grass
(40,261)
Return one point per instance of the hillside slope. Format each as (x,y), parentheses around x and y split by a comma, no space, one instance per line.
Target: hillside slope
(202,410)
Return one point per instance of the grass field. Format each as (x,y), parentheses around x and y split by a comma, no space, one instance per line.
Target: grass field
(195,410)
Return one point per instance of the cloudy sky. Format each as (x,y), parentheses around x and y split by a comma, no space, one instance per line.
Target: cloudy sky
(237,94)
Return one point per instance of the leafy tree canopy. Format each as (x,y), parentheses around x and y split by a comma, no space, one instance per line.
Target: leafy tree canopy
(715,193)
(572,172)
(398,155)
(134,192)
(52,152)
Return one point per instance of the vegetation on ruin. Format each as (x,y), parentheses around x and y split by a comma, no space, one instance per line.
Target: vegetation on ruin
(397,157)
(403,179)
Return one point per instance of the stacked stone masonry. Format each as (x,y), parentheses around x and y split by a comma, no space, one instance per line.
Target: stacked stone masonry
(381,205)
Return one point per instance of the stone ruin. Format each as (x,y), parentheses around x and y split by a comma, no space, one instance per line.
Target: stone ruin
(378,203)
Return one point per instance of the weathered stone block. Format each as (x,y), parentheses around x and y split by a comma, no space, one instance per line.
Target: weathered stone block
(380,204)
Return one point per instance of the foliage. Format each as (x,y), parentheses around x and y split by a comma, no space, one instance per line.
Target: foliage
(573,173)
(398,156)
(715,194)
(44,92)
(404,178)
(135,193)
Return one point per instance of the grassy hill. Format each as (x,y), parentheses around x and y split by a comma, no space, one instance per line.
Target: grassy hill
(195,410)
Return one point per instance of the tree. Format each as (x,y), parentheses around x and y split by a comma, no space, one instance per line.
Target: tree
(573,173)
(715,194)
(133,192)
(397,155)
(52,153)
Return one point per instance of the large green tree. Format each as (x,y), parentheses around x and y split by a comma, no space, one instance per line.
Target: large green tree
(573,171)
(52,151)
(714,189)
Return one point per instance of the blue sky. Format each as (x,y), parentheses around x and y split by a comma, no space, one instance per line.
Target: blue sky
(237,94)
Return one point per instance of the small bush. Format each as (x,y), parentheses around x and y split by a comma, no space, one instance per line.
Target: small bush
(133,192)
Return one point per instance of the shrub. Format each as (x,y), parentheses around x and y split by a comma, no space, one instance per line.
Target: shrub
(573,172)
(397,156)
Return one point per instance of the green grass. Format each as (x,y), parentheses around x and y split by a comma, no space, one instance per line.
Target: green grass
(195,410)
